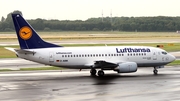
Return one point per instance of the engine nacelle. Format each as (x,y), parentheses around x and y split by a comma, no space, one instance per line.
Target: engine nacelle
(127,67)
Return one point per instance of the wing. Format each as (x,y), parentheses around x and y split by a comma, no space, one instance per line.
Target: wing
(103,64)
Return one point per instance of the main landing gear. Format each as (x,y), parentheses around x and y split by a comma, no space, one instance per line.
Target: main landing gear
(93,72)
(100,73)
(155,71)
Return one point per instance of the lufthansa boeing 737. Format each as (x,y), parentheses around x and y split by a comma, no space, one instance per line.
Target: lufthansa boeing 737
(122,59)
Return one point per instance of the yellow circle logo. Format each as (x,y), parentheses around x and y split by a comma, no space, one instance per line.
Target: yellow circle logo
(25,33)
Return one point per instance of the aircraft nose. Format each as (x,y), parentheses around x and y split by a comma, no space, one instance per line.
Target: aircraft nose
(172,58)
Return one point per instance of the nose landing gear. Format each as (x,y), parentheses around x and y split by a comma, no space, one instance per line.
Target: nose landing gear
(155,72)
(155,69)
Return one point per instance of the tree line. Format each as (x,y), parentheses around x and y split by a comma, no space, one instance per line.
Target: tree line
(159,23)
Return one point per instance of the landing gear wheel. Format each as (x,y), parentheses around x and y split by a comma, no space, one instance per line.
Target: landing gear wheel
(155,71)
(100,73)
(93,72)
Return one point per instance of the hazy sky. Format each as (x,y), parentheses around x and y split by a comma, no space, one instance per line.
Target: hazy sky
(84,9)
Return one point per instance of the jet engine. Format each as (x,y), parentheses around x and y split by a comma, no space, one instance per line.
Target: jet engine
(126,67)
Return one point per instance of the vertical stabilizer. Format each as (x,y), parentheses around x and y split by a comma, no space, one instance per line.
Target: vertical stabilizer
(27,36)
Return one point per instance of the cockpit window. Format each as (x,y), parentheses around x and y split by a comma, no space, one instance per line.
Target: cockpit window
(164,53)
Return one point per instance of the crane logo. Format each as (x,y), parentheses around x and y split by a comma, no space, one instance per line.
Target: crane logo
(25,33)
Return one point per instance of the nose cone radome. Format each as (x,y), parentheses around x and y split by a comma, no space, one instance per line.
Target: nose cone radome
(172,58)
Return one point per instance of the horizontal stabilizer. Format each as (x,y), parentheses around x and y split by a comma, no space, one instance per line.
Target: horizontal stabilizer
(21,51)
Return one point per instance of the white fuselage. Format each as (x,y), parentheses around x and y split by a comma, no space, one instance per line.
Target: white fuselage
(84,57)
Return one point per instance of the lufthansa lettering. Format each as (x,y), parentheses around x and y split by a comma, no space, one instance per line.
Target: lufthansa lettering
(125,50)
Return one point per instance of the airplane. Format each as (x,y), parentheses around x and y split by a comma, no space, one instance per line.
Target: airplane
(121,59)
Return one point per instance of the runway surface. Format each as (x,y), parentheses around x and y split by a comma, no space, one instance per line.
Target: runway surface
(79,86)
(17,63)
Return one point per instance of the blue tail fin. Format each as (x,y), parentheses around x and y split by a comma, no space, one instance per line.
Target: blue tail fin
(27,36)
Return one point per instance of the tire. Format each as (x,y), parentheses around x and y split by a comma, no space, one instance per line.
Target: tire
(93,72)
(155,72)
(100,73)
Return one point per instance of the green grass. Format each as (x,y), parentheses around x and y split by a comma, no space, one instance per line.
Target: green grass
(41,68)
(95,35)
(100,35)
(4,70)
(176,62)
